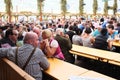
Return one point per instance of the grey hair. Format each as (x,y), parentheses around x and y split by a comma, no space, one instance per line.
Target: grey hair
(59,30)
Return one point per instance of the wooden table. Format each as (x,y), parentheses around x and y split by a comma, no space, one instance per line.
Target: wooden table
(62,70)
(93,74)
(95,53)
(116,43)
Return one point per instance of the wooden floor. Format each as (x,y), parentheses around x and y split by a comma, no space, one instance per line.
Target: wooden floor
(101,67)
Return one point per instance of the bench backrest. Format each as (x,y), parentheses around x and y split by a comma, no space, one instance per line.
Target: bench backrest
(10,71)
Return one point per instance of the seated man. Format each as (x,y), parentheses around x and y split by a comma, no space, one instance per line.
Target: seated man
(101,41)
(21,54)
(111,31)
(10,38)
(65,45)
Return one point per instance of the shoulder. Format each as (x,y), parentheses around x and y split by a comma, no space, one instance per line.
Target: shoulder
(54,43)
(39,52)
(116,32)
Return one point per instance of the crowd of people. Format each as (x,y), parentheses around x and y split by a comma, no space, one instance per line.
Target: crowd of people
(54,38)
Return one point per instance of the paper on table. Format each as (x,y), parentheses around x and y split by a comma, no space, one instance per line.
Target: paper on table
(83,78)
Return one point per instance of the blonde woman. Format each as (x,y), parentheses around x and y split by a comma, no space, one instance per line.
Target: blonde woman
(50,46)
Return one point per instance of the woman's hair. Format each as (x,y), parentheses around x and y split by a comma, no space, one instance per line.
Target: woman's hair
(9,32)
(78,31)
(47,33)
(88,30)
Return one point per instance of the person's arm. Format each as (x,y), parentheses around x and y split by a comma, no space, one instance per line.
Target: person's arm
(44,64)
(50,51)
(3,52)
(92,39)
(51,48)
(110,44)
(68,43)
(42,45)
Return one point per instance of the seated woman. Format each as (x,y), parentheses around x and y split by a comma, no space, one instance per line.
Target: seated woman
(77,39)
(50,46)
(87,39)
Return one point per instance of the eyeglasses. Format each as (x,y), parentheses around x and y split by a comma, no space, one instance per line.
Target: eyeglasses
(15,34)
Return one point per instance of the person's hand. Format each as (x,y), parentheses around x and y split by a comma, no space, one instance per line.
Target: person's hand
(46,42)
(42,45)
(66,35)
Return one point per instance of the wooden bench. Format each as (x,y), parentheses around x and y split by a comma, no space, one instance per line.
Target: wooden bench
(97,54)
(61,70)
(58,69)
(10,71)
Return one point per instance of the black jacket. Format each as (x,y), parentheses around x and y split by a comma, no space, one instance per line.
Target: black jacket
(6,42)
